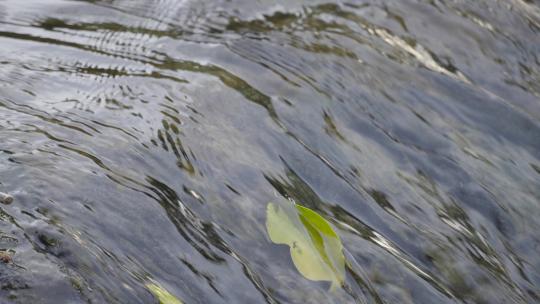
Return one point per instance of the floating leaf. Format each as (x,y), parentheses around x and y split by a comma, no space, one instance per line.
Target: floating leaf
(316,249)
(162,294)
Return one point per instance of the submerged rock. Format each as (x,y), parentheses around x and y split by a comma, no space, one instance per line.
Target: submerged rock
(6,198)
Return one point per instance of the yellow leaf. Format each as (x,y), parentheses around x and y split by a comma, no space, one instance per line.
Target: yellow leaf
(316,250)
(162,294)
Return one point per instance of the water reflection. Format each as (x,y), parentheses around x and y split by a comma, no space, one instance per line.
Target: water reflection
(142,141)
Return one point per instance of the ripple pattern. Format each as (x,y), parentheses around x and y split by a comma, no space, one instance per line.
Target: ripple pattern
(142,141)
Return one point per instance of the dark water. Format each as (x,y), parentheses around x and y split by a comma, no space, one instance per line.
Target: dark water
(143,140)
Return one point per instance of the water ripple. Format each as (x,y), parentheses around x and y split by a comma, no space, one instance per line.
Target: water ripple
(142,141)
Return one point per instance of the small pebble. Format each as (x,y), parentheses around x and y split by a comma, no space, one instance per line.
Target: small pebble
(6,198)
(5,258)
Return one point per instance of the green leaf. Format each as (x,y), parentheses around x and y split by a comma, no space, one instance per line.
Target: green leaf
(162,294)
(316,249)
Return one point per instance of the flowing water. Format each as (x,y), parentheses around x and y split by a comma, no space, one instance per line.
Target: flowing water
(143,140)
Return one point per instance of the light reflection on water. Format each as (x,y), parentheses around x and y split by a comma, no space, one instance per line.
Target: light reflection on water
(143,140)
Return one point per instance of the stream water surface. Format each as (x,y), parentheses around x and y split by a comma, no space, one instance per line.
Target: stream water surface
(143,141)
